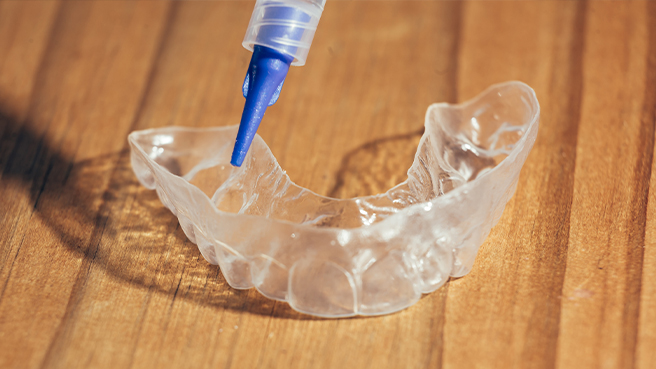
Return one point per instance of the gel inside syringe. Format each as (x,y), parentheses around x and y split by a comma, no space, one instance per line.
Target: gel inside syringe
(279,35)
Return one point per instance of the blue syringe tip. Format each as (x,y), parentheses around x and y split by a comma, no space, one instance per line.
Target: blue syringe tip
(266,74)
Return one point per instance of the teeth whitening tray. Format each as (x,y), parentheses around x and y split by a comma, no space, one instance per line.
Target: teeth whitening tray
(331,257)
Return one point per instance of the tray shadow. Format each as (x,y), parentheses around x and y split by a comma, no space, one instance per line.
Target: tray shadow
(98,210)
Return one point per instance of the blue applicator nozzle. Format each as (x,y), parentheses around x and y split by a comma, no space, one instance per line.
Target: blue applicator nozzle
(264,79)
(279,34)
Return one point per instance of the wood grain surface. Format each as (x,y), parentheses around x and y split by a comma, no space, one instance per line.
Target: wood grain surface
(95,273)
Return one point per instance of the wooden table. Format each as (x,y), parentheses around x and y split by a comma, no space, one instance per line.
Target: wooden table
(94,272)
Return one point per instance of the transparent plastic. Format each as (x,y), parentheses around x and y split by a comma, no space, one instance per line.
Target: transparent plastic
(287,26)
(342,257)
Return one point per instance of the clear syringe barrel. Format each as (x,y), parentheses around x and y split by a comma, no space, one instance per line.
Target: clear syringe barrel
(286,26)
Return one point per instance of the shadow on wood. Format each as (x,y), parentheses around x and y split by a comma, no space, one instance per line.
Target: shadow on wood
(99,211)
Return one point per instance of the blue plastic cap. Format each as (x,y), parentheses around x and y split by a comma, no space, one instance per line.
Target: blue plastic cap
(262,86)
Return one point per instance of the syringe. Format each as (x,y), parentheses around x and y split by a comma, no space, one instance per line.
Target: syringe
(279,35)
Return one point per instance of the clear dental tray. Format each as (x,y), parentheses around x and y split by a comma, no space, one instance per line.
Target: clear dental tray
(342,257)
